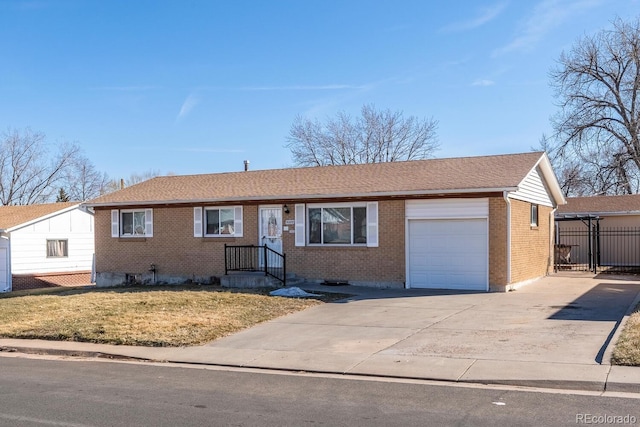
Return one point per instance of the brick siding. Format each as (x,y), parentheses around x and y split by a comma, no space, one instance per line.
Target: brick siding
(174,250)
(50,280)
(383,264)
(497,243)
(531,247)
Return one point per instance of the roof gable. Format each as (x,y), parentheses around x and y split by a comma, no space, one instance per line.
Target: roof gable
(540,186)
(433,176)
(12,217)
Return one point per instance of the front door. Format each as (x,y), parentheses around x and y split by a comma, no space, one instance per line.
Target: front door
(271,230)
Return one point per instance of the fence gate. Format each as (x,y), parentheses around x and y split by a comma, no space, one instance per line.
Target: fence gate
(586,246)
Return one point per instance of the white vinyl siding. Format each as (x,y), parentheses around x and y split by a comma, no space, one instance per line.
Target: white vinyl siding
(29,244)
(533,190)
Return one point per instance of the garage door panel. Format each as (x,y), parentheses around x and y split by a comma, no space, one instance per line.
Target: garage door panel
(450,254)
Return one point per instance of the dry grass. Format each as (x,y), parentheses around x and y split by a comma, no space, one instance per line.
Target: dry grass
(158,316)
(627,350)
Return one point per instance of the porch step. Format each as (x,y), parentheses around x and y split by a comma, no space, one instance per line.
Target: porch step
(257,280)
(249,280)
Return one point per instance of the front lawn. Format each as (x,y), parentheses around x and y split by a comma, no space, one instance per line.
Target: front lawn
(627,350)
(149,316)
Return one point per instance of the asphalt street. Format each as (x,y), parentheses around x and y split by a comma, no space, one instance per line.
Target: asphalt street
(36,391)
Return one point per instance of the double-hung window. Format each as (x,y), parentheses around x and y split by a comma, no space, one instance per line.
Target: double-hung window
(341,224)
(132,223)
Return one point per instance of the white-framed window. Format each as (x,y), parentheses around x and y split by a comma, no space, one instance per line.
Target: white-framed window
(132,223)
(57,248)
(217,221)
(534,215)
(337,224)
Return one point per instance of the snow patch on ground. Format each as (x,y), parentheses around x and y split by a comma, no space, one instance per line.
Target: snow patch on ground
(292,292)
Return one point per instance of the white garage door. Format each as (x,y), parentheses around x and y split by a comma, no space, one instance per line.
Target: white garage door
(448,254)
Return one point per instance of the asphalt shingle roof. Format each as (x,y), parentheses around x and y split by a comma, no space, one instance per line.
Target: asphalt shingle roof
(601,204)
(11,216)
(410,177)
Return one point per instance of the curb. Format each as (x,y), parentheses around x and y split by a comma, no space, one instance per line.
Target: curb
(606,358)
(572,385)
(71,353)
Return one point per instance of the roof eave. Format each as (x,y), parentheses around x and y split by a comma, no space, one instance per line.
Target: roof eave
(306,197)
(603,213)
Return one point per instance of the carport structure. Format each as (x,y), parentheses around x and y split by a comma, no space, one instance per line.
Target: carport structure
(596,233)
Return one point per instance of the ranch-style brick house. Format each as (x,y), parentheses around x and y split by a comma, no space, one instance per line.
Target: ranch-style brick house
(477,223)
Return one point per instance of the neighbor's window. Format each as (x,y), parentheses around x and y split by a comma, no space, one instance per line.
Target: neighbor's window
(57,248)
(219,222)
(132,223)
(338,225)
(534,215)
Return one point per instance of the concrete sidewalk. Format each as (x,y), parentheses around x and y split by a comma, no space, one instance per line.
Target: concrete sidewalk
(555,333)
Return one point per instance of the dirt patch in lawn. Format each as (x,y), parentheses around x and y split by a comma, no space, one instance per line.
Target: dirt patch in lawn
(148,316)
(627,350)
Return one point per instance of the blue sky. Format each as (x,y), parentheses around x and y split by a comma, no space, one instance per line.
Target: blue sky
(198,86)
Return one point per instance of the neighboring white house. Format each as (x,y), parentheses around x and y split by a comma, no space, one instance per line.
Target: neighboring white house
(54,238)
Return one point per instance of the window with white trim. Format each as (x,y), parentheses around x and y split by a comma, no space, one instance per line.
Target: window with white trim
(132,223)
(57,248)
(218,221)
(534,215)
(339,224)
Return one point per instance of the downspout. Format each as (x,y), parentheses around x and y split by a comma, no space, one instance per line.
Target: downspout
(552,240)
(505,195)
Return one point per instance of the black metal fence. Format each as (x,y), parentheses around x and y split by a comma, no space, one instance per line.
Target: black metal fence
(597,248)
(253,258)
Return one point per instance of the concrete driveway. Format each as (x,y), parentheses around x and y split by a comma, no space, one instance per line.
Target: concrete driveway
(556,332)
(552,329)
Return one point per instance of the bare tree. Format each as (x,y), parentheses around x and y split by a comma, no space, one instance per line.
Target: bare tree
(30,169)
(84,181)
(598,127)
(598,172)
(373,137)
(134,178)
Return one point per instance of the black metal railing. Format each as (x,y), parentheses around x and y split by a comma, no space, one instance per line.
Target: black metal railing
(252,258)
(591,248)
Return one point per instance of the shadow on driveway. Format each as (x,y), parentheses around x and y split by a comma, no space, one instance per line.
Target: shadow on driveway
(602,303)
